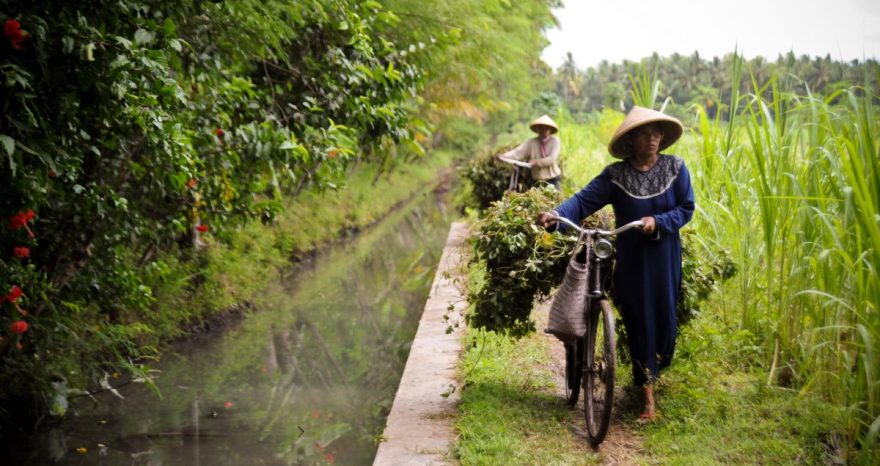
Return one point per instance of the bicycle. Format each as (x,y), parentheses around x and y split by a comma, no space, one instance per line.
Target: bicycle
(514,183)
(590,361)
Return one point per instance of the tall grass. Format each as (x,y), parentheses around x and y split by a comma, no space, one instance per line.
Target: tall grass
(792,185)
(789,182)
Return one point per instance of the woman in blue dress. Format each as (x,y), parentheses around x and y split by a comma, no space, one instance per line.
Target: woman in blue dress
(655,188)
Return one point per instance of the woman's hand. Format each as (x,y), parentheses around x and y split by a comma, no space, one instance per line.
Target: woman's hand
(533,163)
(650,225)
(546,219)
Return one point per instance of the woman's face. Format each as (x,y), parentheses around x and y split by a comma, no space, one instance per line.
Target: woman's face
(645,140)
(543,131)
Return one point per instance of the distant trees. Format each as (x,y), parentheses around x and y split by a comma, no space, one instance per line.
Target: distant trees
(691,79)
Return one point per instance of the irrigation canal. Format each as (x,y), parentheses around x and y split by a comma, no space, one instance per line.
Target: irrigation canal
(308,378)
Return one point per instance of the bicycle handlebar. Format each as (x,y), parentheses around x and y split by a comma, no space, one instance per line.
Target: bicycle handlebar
(518,163)
(628,226)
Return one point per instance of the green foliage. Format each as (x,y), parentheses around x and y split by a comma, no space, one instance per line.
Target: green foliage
(703,269)
(488,178)
(127,126)
(522,261)
(490,68)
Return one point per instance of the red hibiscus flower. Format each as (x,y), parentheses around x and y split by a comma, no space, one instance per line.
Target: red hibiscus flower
(13,295)
(20,220)
(18,327)
(219,132)
(202,228)
(12,31)
(21,252)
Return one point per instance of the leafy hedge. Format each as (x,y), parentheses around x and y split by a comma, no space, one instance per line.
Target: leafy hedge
(133,127)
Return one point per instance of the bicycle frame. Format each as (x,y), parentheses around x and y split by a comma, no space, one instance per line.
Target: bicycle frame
(513,183)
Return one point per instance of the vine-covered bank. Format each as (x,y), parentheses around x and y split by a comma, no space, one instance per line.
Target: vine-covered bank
(139,138)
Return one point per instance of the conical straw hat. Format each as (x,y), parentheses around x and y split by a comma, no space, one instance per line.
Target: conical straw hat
(640,116)
(544,120)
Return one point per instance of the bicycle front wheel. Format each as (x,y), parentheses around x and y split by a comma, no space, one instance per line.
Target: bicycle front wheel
(599,360)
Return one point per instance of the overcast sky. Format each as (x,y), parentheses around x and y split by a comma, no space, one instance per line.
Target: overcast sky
(613,30)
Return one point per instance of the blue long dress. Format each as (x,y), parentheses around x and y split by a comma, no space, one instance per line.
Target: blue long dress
(647,275)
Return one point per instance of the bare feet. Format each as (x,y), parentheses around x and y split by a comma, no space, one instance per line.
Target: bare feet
(650,411)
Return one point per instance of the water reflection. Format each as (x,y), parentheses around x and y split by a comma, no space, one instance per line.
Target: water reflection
(308,379)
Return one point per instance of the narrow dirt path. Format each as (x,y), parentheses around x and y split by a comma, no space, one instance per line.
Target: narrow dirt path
(622,446)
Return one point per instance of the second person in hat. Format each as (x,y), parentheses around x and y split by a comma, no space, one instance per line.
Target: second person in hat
(541,152)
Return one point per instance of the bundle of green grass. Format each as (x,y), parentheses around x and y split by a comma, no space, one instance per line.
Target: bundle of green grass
(488,178)
(516,262)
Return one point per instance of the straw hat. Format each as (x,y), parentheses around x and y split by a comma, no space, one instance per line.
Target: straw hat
(544,120)
(640,116)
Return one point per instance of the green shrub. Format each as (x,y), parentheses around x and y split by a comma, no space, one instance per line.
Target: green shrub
(488,178)
(130,128)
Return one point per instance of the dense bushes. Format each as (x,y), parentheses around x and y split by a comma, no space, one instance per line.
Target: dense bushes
(135,127)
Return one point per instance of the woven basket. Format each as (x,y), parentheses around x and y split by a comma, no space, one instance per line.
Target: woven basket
(567,321)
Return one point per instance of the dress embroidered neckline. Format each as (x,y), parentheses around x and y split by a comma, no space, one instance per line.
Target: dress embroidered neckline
(646,184)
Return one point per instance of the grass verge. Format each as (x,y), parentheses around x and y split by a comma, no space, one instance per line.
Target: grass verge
(715,409)
(510,411)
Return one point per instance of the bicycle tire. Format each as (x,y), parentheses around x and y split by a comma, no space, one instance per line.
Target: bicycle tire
(573,372)
(600,359)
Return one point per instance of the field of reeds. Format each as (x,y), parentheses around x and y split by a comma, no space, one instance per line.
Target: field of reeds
(789,182)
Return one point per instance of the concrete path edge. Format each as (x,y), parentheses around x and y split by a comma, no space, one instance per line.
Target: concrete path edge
(419,427)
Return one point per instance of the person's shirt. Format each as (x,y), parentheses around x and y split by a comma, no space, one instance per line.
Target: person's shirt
(547,156)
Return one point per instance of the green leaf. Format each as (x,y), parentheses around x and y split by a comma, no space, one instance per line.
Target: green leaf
(89,51)
(143,37)
(170,28)
(8,144)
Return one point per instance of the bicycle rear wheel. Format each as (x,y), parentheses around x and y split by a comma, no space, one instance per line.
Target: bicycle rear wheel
(599,359)
(573,371)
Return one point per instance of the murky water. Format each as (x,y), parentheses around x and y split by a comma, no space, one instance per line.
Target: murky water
(308,379)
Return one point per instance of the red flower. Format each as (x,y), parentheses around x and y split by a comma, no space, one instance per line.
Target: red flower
(227,405)
(18,327)
(332,153)
(202,228)
(330,458)
(21,252)
(20,220)
(12,31)
(219,132)
(192,183)
(14,294)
